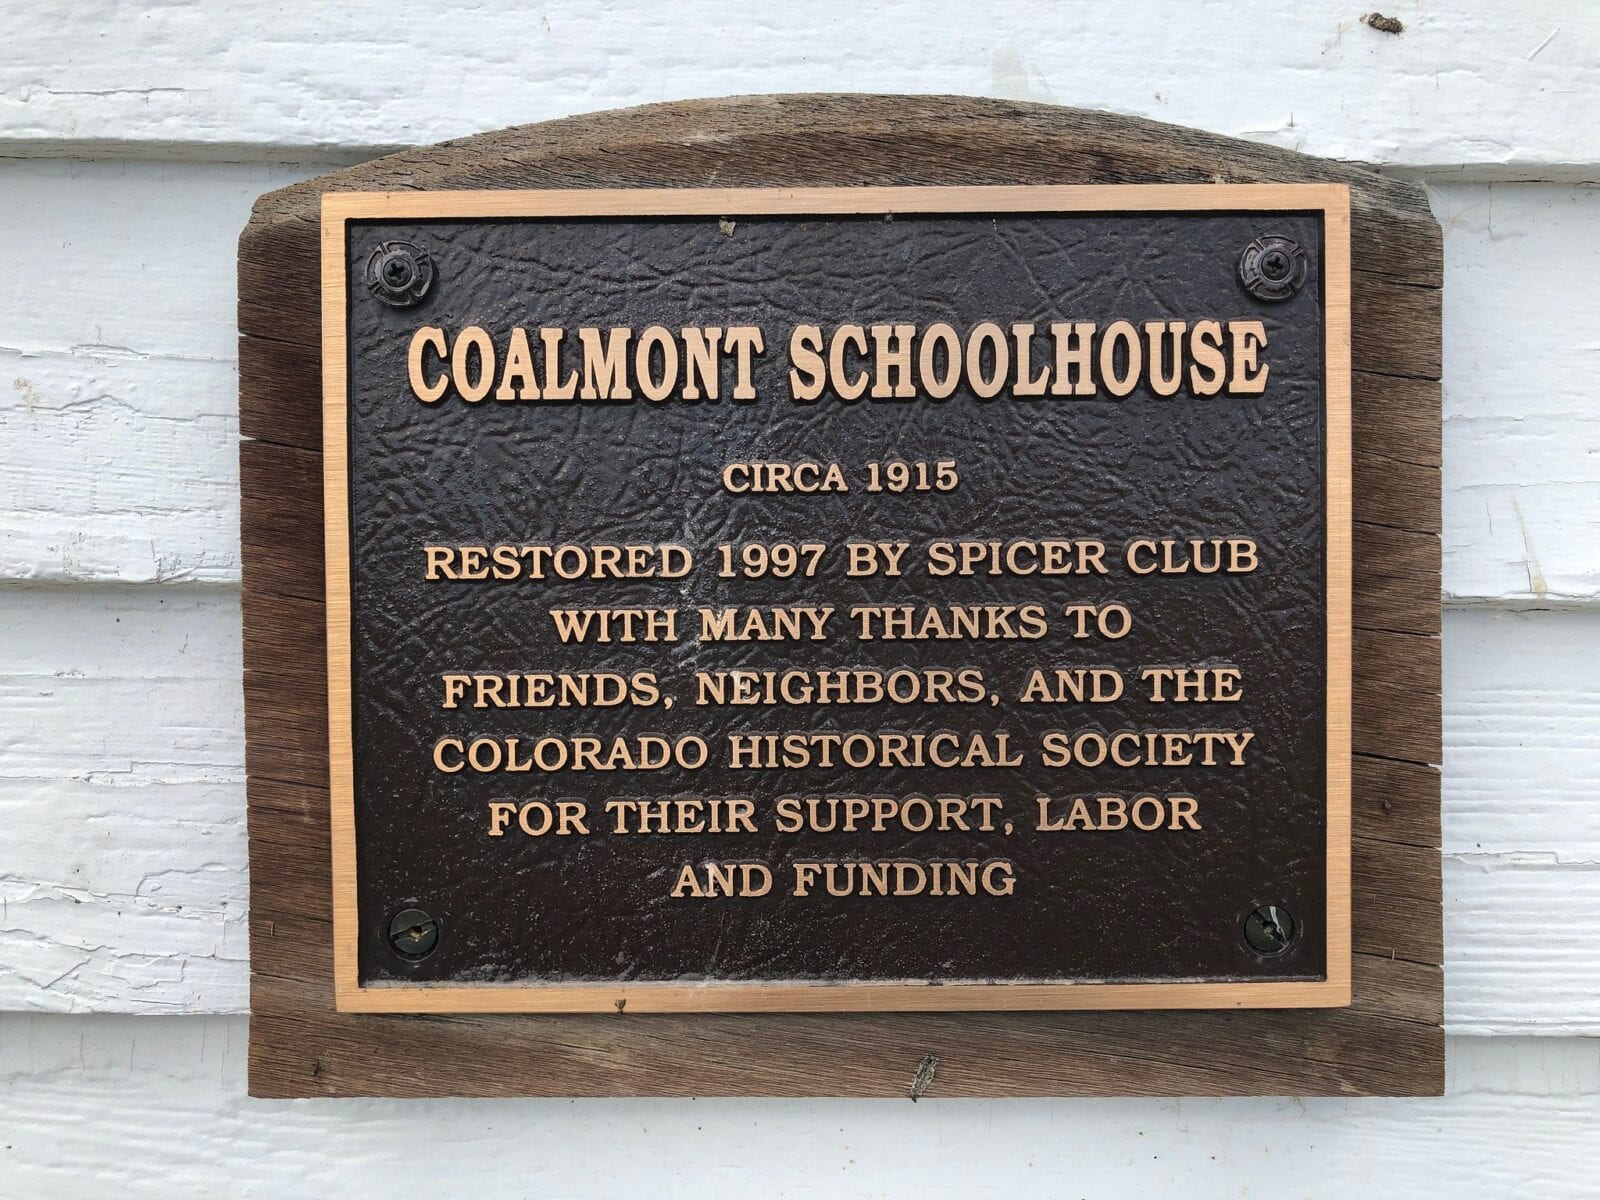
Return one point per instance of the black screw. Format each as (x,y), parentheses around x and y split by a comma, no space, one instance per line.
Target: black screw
(1273,267)
(399,273)
(413,933)
(1269,929)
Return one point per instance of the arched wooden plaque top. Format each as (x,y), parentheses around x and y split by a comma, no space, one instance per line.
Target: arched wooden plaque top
(842,595)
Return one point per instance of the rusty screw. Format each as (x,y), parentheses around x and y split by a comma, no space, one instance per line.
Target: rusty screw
(413,933)
(1269,929)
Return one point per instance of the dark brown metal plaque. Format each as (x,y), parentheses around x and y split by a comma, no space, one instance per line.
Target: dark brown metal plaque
(839,599)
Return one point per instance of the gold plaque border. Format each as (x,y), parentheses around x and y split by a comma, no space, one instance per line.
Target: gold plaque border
(339,208)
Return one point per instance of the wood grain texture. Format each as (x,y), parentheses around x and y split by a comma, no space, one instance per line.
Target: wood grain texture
(1388,1042)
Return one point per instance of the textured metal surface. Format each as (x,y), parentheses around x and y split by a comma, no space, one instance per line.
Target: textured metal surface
(1088,906)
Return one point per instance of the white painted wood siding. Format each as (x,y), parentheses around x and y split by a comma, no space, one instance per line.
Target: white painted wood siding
(1493,85)
(153,1109)
(124,887)
(119,391)
(133,139)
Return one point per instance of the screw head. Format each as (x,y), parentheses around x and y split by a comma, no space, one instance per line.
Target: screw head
(399,273)
(413,933)
(1273,267)
(1269,929)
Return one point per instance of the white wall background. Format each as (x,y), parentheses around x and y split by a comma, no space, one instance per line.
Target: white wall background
(133,139)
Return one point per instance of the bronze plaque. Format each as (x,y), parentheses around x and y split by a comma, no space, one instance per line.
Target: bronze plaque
(902,598)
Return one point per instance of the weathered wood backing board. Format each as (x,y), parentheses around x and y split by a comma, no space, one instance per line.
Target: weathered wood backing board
(1388,1042)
